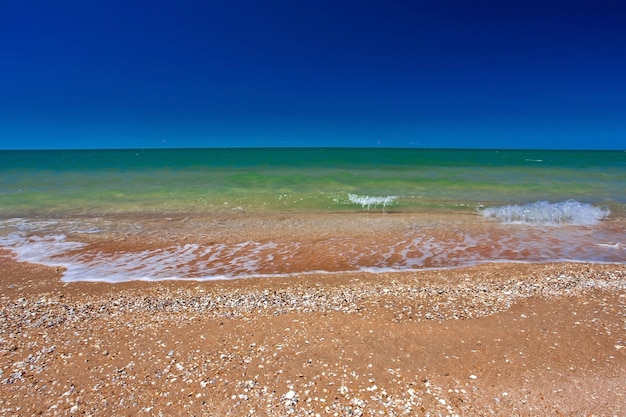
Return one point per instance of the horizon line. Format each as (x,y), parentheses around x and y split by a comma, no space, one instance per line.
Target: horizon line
(151,148)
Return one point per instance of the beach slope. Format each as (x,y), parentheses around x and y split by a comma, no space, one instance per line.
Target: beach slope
(495,339)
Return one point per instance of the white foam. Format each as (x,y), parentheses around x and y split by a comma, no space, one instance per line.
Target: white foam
(609,245)
(367,201)
(414,250)
(544,213)
(39,249)
(21,224)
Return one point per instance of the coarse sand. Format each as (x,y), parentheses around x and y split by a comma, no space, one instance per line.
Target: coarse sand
(494,339)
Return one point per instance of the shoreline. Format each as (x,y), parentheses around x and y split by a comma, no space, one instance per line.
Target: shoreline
(291,245)
(503,339)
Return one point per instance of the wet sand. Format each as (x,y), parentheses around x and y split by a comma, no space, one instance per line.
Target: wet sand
(495,339)
(128,247)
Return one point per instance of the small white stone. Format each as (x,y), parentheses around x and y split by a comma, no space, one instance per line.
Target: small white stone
(473,376)
(290,395)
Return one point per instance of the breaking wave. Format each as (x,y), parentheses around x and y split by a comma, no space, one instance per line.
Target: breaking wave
(367,201)
(570,212)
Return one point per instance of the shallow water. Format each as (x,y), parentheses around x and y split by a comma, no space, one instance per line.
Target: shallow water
(230,213)
(217,247)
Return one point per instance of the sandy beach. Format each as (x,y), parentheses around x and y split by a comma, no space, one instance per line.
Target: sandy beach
(495,339)
(344,209)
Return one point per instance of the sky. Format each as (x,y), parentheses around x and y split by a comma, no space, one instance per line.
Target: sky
(238,73)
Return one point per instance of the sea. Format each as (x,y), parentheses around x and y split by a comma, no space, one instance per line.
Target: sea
(225,213)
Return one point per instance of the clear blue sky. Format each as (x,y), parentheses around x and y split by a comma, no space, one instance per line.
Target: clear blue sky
(109,73)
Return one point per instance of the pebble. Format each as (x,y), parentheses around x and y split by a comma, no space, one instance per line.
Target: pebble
(424,300)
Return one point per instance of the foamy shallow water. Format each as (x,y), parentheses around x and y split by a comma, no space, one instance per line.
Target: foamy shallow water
(118,215)
(111,250)
(570,212)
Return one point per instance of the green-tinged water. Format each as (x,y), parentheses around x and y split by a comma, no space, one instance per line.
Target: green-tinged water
(118,215)
(205,180)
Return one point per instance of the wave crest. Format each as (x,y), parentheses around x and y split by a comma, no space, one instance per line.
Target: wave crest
(545,213)
(367,201)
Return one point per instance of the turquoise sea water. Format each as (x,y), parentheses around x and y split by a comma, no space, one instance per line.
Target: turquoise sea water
(206,180)
(227,213)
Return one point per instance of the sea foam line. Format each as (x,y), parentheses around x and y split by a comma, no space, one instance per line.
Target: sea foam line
(250,259)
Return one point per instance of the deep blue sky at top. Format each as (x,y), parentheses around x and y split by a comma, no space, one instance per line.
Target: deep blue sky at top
(109,73)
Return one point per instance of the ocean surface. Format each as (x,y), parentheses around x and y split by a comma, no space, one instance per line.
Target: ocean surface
(119,215)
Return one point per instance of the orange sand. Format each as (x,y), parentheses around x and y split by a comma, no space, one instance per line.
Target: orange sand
(514,339)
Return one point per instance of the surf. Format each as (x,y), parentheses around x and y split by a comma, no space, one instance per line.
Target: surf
(544,213)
